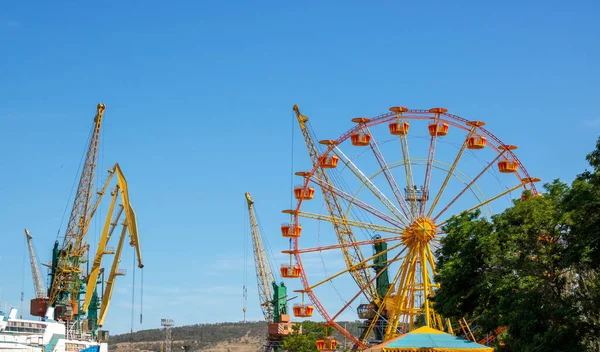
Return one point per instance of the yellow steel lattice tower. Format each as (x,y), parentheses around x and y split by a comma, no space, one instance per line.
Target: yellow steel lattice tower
(66,282)
(352,254)
(264,274)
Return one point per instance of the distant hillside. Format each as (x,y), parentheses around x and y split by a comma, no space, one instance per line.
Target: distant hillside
(221,337)
(198,337)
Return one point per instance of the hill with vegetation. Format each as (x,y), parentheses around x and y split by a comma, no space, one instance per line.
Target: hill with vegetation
(240,336)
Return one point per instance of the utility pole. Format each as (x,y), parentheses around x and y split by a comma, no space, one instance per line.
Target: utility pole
(167,324)
(345,335)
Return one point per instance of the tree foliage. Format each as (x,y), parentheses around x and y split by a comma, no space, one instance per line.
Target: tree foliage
(311,332)
(532,268)
(306,341)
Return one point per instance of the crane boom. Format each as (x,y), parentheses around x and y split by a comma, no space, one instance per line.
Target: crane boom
(66,280)
(352,254)
(114,271)
(38,283)
(130,226)
(264,274)
(109,225)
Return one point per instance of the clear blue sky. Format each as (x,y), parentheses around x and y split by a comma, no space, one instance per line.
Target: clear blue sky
(199,98)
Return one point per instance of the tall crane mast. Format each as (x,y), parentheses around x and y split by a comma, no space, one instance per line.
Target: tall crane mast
(272,296)
(352,254)
(38,283)
(66,280)
(264,274)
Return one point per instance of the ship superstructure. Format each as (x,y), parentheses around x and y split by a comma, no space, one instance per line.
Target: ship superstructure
(23,335)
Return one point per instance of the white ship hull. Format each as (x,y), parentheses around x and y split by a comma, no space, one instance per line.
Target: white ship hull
(22,335)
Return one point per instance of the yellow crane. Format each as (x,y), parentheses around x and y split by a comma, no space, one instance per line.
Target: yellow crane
(129,226)
(68,260)
(68,266)
(352,254)
(272,296)
(264,273)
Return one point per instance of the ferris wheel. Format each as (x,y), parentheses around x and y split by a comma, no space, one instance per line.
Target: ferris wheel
(371,209)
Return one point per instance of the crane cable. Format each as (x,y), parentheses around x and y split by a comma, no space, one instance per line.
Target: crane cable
(292,174)
(133,292)
(23,277)
(245,279)
(142,296)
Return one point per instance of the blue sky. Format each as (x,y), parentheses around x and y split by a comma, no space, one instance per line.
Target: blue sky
(199,98)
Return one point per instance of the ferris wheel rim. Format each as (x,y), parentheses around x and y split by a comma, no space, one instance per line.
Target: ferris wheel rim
(451,119)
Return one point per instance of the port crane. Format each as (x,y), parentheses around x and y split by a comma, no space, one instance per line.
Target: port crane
(128,226)
(67,279)
(272,296)
(374,290)
(67,265)
(352,255)
(38,283)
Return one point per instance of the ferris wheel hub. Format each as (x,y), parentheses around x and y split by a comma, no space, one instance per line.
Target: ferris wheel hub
(422,230)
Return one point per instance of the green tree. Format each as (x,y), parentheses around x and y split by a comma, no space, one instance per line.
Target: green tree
(306,341)
(532,268)
(582,252)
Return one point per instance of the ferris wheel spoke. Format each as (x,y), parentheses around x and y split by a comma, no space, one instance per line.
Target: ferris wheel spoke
(344,234)
(523,182)
(408,172)
(428,169)
(355,201)
(450,172)
(468,186)
(370,283)
(391,181)
(360,265)
(344,245)
(354,223)
(399,214)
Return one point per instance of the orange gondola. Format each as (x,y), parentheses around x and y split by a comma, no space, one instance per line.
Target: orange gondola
(360,139)
(290,271)
(303,310)
(508,166)
(328,162)
(301,193)
(438,129)
(327,344)
(290,230)
(399,128)
(476,142)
